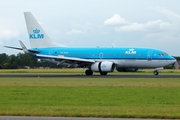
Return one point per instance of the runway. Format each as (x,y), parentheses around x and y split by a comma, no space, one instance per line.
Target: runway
(92,76)
(66,118)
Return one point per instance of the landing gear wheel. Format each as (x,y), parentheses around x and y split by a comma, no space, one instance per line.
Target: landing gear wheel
(103,73)
(155,72)
(89,72)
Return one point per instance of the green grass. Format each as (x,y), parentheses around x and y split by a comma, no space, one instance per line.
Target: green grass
(82,72)
(102,97)
(139,82)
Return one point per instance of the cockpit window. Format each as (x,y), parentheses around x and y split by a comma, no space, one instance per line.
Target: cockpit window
(163,54)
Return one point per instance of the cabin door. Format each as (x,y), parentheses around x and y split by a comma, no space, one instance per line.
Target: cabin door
(101,55)
(149,55)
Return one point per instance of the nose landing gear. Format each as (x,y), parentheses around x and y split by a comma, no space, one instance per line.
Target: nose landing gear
(156,72)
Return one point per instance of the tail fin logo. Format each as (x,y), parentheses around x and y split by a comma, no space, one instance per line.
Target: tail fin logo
(36,35)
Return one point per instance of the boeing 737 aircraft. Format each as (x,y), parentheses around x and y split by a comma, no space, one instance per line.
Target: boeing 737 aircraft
(96,59)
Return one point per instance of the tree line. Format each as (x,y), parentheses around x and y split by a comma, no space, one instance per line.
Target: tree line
(21,60)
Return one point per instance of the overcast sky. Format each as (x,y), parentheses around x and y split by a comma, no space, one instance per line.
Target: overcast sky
(90,23)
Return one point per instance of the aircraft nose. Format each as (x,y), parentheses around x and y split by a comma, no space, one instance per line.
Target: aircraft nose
(173,60)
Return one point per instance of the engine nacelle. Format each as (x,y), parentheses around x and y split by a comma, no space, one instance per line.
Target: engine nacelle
(103,67)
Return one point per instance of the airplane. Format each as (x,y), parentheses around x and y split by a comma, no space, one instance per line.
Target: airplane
(95,59)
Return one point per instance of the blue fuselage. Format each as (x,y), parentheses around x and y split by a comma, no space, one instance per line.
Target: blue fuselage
(107,53)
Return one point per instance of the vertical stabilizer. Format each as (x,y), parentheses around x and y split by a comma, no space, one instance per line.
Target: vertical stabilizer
(37,37)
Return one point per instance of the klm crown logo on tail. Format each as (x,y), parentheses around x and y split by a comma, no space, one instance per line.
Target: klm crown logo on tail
(36,35)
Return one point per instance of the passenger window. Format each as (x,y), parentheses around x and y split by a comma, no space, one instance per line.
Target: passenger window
(160,54)
(142,54)
(139,54)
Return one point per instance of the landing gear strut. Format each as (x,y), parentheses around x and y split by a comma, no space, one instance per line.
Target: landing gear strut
(89,72)
(156,72)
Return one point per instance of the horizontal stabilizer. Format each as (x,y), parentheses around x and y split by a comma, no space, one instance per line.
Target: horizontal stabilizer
(14,47)
(23,48)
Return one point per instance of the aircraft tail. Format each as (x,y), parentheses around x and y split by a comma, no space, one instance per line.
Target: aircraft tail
(37,37)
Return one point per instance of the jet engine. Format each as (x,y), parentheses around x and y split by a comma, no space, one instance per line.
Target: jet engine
(103,67)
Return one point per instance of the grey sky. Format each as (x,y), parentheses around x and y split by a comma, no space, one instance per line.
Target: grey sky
(138,23)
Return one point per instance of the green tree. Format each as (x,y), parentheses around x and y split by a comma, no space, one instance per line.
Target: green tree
(3,57)
(5,65)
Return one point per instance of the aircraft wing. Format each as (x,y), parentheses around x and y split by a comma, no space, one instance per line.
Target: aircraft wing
(60,60)
(69,60)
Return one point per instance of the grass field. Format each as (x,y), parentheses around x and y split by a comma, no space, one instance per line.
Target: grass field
(82,72)
(101,97)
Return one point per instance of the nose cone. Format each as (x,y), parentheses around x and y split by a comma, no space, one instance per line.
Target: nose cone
(173,60)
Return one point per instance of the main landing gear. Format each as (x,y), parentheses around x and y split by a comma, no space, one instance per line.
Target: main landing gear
(156,72)
(89,72)
(103,73)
